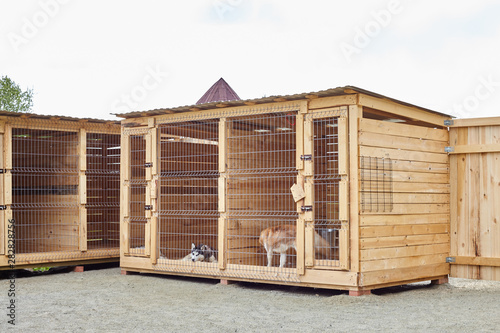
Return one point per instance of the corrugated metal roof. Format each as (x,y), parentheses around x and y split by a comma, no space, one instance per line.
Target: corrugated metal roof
(220,91)
(53,117)
(347,90)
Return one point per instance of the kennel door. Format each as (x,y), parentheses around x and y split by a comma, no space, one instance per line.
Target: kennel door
(327,170)
(137,175)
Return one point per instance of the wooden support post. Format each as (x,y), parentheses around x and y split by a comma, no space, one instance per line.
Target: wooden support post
(82,186)
(221,236)
(355,112)
(154,239)
(300,243)
(124,192)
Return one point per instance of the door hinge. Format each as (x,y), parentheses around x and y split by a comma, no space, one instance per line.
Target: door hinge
(148,165)
(148,207)
(448,122)
(450,259)
(306,208)
(2,171)
(449,149)
(3,207)
(306,157)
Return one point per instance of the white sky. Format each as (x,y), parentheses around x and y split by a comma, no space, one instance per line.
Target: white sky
(93,58)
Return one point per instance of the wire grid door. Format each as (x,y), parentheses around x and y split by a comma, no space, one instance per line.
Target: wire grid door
(138,185)
(327,179)
(45,196)
(188,196)
(103,191)
(261,169)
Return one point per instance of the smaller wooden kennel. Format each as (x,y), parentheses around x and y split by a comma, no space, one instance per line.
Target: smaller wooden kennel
(59,190)
(359,182)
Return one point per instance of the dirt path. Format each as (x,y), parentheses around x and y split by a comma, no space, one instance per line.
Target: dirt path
(104,300)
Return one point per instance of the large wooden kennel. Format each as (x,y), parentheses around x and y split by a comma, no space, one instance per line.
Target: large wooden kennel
(59,190)
(367,174)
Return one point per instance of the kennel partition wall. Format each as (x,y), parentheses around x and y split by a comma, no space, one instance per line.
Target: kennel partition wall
(367,174)
(59,190)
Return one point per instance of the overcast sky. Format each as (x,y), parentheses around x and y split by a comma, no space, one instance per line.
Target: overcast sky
(93,58)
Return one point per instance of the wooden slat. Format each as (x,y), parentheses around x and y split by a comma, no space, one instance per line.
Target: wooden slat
(384,127)
(400,209)
(413,166)
(408,198)
(405,251)
(405,219)
(403,230)
(222,145)
(396,241)
(399,275)
(398,187)
(401,142)
(407,155)
(398,263)
(404,176)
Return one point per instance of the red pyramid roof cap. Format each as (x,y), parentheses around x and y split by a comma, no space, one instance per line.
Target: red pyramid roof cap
(220,91)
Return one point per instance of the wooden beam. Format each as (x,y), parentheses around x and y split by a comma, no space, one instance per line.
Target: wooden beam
(355,113)
(476,149)
(475,261)
(473,122)
(82,244)
(402,110)
(327,102)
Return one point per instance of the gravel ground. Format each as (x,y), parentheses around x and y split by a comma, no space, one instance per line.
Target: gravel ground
(105,301)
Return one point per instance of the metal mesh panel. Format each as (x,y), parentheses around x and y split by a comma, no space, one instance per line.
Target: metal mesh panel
(138,183)
(188,195)
(103,191)
(376,184)
(45,201)
(261,170)
(326,190)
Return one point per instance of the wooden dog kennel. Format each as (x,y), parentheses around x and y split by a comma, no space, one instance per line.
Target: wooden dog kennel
(59,192)
(366,173)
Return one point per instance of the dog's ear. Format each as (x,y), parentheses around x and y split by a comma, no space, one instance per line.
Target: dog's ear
(193,246)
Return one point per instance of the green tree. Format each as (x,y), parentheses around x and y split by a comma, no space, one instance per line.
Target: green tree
(12,98)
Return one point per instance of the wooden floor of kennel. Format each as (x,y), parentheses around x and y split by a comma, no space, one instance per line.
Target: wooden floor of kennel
(59,191)
(391,206)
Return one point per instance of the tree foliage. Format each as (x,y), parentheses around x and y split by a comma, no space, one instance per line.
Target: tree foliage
(12,98)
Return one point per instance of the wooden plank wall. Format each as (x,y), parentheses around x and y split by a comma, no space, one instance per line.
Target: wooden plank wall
(475,178)
(407,235)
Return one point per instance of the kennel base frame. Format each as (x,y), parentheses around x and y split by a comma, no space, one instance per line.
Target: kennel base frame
(60,209)
(409,249)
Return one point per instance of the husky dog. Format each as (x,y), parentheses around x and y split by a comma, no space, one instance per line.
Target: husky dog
(281,238)
(201,252)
